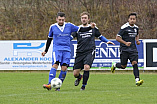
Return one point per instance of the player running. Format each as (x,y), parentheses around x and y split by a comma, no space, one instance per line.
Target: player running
(127,36)
(85,52)
(61,34)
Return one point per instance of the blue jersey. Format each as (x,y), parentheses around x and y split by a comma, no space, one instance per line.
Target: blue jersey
(61,35)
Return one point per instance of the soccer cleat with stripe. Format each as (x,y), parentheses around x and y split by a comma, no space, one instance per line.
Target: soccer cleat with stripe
(77,81)
(113,67)
(138,83)
(47,86)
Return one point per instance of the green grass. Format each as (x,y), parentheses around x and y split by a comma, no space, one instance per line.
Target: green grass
(102,88)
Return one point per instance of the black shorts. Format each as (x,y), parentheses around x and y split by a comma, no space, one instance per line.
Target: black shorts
(82,59)
(132,56)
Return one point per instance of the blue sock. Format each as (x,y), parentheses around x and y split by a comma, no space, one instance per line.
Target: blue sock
(52,74)
(62,75)
(83,85)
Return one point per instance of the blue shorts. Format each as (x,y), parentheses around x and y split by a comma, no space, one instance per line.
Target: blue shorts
(61,56)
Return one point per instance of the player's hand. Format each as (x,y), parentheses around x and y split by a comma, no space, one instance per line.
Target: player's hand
(128,43)
(43,53)
(109,42)
(92,24)
(138,42)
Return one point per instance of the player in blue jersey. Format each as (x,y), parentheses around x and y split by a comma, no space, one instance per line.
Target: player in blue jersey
(127,37)
(61,34)
(85,52)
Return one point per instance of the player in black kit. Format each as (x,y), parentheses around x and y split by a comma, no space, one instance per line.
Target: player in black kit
(127,36)
(85,52)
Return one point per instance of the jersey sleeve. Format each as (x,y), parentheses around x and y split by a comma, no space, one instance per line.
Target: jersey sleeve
(74,28)
(48,42)
(74,34)
(137,31)
(50,35)
(120,33)
(102,38)
(97,33)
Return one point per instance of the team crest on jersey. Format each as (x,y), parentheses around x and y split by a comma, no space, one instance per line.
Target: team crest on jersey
(135,30)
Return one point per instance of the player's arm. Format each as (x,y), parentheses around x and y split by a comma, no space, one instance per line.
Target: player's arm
(73,35)
(48,43)
(137,38)
(119,38)
(102,38)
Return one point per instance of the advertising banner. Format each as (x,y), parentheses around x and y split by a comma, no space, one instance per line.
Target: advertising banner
(107,53)
(26,55)
(150,54)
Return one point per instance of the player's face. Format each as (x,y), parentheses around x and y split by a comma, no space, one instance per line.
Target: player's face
(132,20)
(60,20)
(84,19)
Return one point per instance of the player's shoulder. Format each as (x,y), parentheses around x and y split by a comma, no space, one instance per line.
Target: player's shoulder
(52,25)
(69,23)
(135,26)
(125,25)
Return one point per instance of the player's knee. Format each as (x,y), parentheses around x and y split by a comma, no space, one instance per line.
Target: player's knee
(86,67)
(55,66)
(75,73)
(64,68)
(123,66)
(134,62)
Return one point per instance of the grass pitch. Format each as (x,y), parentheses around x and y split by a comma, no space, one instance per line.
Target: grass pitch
(102,88)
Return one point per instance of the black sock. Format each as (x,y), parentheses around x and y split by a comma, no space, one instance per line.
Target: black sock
(118,65)
(85,77)
(79,77)
(136,71)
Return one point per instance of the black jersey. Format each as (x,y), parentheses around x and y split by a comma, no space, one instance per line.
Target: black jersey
(86,40)
(128,34)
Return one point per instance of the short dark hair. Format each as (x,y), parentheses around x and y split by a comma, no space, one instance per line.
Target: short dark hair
(61,14)
(133,13)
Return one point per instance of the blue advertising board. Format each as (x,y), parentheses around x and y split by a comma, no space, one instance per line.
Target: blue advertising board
(107,53)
